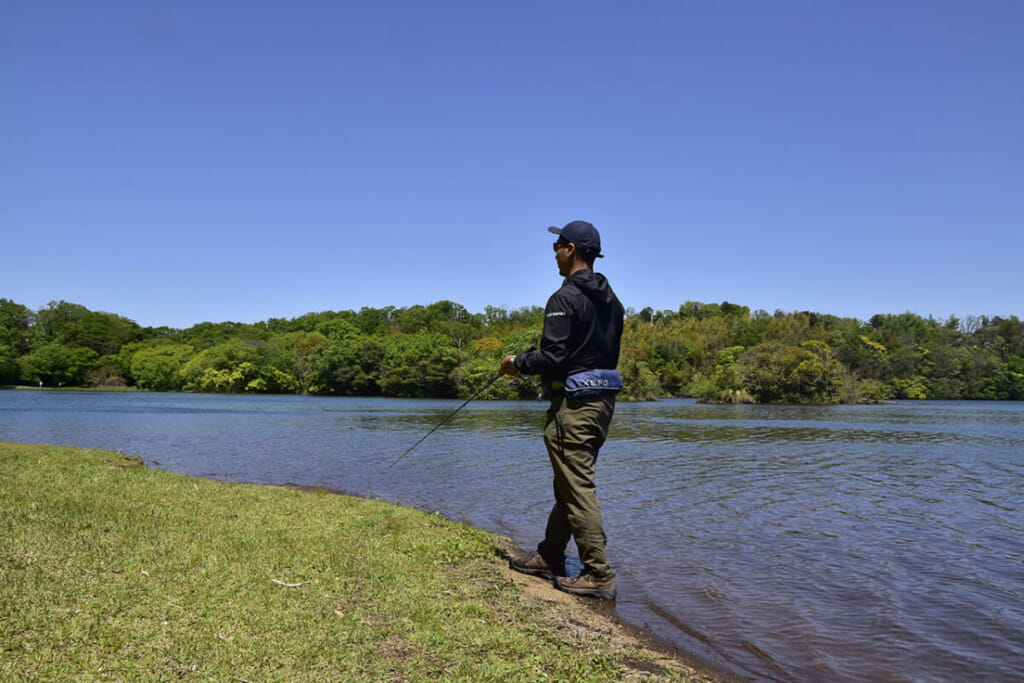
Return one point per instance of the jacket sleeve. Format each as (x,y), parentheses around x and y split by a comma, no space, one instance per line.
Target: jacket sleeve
(552,359)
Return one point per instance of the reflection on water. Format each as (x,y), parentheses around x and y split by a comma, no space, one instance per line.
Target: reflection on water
(780,542)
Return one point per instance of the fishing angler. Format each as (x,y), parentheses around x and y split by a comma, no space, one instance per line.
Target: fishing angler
(577,361)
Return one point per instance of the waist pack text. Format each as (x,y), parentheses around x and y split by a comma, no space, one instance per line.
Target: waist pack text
(593,382)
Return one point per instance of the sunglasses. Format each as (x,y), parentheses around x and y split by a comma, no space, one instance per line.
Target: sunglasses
(560,244)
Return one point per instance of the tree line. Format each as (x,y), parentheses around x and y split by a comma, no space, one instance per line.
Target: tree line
(714,352)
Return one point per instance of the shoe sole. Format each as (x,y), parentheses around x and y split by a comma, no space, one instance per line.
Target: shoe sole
(598,593)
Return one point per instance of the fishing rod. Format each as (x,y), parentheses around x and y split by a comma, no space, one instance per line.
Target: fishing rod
(445,420)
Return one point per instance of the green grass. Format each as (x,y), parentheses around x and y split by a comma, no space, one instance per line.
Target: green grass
(113,571)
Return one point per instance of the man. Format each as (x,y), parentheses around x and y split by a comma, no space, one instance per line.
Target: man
(577,360)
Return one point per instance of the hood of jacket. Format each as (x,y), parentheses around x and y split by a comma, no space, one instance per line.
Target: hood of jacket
(594,285)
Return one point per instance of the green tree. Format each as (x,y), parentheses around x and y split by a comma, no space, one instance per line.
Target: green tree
(773,372)
(419,366)
(375,320)
(1010,385)
(10,371)
(57,365)
(819,374)
(207,335)
(15,327)
(338,329)
(238,366)
(294,349)
(724,384)
(159,367)
(104,373)
(73,325)
(349,366)
(639,382)
(499,322)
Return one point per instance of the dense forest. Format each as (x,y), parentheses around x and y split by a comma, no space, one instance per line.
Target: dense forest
(714,352)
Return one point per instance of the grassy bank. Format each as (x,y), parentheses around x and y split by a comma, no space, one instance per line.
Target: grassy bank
(110,570)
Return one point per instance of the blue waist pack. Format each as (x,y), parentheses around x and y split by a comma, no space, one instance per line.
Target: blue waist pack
(593,383)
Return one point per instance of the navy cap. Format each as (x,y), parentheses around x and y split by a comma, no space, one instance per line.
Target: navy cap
(581,233)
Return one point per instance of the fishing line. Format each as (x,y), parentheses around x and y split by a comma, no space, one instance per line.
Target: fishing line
(442,422)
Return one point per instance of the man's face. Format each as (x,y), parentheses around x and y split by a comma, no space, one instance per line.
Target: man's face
(564,252)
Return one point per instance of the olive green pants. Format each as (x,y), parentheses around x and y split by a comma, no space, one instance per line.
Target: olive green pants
(575,430)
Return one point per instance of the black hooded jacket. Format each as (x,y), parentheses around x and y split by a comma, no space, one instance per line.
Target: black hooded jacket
(582,330)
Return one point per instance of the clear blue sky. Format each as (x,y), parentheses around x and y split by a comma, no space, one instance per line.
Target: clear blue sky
(182,161)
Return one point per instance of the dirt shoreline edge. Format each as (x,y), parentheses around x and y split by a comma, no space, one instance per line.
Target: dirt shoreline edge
(583,618)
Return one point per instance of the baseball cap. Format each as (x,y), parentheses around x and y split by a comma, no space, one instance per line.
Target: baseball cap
(582,234)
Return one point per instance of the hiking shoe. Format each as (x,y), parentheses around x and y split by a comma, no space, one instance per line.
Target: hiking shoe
(585,583)
(536,565)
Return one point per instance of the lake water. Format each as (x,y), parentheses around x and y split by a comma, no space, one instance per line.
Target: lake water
(839,543)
